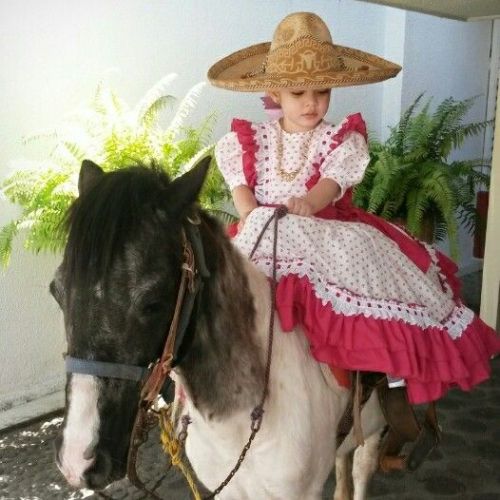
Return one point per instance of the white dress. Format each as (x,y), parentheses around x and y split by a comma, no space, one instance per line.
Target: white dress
(368,296)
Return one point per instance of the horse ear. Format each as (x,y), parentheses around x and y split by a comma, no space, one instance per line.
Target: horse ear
(90,173)
(187,187)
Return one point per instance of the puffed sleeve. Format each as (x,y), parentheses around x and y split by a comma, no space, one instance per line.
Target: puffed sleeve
(228,153)
(346,164)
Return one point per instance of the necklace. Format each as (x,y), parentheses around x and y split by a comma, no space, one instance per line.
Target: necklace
(289,176)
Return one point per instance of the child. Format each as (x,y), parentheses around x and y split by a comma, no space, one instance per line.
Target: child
(368,296)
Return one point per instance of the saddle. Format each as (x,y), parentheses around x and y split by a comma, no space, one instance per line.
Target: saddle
(403,426)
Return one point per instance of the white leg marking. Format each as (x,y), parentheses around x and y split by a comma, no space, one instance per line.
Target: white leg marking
(365,464)
(80,432)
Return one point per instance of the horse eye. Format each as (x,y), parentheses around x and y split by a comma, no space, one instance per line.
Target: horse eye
(152,308)
(55,292)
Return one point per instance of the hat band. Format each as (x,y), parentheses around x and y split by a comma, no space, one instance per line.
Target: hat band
(305,56)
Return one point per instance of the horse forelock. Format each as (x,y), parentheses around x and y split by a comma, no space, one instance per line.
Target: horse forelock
(101,221)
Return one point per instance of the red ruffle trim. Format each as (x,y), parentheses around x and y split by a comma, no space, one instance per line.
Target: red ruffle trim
(449,269)
(352,123)
(246,137)
(429,360)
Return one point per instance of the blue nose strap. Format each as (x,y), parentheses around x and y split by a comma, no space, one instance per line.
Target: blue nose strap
(105,369)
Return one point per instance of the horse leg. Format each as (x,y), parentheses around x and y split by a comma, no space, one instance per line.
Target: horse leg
(364,465)
(344,487)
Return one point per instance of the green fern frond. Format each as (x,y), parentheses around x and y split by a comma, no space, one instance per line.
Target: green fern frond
(206,129)
(468,216)
(75,151)
(399,133)
(45,234)
(440,229)
(202,153)
(185,107)
(18,187)
(118,105)
(386,168)
(462,132)
(154,101)
(447,118)
(7,235)
(110,134)
(107,103)
(417,205)
(225,217)
(38,136)
(150,116)
(408,176)
(394,206)
(215,192)
(417,133)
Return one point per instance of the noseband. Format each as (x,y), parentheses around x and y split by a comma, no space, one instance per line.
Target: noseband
(194,271)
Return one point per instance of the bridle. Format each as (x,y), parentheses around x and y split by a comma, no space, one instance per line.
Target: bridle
(193,274)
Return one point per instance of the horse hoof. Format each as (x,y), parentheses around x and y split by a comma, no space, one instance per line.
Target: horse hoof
(390,463)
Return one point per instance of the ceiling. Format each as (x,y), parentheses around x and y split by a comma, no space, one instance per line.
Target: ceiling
(463,10)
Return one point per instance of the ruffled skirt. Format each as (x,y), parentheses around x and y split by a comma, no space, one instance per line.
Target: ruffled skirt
(365,305)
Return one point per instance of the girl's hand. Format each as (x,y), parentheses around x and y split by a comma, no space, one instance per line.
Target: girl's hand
(242,220)
(299,206)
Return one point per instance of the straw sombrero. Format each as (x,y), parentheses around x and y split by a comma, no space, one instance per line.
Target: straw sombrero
(302,54)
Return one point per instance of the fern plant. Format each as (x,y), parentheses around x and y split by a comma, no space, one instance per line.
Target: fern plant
(410,179)
(114,135)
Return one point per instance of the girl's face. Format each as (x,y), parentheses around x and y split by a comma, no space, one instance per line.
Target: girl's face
(302,108)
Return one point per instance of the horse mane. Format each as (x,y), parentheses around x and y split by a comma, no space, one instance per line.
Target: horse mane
(102,219)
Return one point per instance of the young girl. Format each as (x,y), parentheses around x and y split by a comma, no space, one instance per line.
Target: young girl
(368,296)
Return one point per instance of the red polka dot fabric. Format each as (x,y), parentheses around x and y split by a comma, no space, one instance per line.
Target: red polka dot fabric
(362,302)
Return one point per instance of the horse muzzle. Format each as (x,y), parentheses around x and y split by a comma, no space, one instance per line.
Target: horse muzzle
(93,470)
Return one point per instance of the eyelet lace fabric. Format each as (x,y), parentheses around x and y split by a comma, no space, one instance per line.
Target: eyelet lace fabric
(367,295)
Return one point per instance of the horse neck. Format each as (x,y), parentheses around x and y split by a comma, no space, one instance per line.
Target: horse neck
(223,371)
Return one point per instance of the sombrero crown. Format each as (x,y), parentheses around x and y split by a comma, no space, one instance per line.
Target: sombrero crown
(302,54)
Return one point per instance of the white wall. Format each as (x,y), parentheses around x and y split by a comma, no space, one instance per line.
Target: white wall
(53,54)
(448,58)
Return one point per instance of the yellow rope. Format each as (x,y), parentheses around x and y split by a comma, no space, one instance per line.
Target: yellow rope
(173,447)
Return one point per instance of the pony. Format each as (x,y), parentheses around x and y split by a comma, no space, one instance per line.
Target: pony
(117,288)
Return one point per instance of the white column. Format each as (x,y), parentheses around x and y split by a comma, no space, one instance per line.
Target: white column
(491,268)
(394,50)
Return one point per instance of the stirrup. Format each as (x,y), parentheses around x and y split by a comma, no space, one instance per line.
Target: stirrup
(426,442)
(404,427)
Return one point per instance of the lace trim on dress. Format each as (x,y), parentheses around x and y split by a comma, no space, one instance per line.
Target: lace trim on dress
(462,316)
(342,301)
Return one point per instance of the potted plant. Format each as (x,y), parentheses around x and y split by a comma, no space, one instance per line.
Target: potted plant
(113,135)
(410,179)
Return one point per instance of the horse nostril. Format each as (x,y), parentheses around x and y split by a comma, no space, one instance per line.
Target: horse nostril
(57,449)
(98,475)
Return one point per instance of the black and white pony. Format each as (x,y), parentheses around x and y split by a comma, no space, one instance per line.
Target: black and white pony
(117,287)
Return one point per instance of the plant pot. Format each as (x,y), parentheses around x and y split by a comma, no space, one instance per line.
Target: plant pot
(482,198)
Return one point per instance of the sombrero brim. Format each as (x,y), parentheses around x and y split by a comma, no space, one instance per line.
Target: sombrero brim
(242,71)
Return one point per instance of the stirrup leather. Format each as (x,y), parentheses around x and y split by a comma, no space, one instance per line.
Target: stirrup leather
(404,427)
